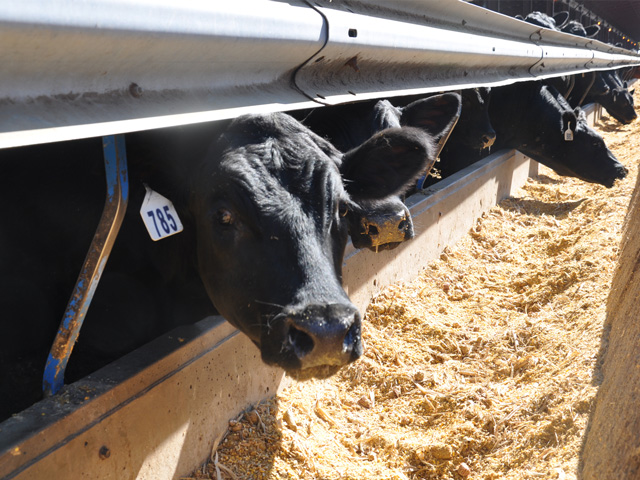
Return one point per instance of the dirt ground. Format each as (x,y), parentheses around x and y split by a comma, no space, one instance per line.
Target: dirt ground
(483,367)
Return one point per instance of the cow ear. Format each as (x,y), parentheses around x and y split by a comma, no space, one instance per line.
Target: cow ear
(385,115)
(519,17)
(569,120)
(561,18)
(436,115)
(592,30)
(388,163)
(599,86)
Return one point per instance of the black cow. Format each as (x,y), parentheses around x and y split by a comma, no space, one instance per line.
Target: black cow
(605,88)
(536,119)
(473,132)
(619,101)
(555,22)
(574,27)
(560,22)
(265,205)
(384,225)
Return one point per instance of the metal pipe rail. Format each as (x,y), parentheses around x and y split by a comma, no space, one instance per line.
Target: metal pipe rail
(86,68)
(116,173)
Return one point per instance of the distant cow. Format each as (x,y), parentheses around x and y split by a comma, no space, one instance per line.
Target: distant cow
(265,206)
(619,101)
(555,22)
(536,119)
(473,132)
(560,22)
(383,225)
(605,88)
(574,27)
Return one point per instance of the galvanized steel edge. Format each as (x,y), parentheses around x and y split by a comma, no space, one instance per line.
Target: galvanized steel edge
(80,68)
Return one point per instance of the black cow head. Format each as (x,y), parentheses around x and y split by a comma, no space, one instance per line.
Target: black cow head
(586,156)
(473,133)
(568,144)
(380,225)
(576,28)
(607,89)
(543,20)
(271,206)
(552,133)
(620,105)
(474,129)
(384,223)
(618,100)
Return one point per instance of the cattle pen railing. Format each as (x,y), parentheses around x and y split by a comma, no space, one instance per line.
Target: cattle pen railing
(85,69)
(94,68)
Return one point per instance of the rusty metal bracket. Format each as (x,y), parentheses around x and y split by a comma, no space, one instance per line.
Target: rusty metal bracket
(115,162)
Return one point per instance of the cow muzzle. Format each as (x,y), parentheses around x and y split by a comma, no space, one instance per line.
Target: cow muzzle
(384,232)
(314,342)
(488,139)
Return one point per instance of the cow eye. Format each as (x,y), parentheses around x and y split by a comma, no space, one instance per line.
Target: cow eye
(224,217)
(343,209)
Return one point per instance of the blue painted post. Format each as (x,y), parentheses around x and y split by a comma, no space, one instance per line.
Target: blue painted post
(115,161)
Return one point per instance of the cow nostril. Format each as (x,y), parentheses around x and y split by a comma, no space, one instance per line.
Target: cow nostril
(373,230)
(352,344)
(352,336)
(301,342)
(402,225)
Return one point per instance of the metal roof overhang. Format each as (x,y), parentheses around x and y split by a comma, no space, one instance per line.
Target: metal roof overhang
(84,68)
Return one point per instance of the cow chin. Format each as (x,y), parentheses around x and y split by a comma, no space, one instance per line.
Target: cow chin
(366,243)
(319,373)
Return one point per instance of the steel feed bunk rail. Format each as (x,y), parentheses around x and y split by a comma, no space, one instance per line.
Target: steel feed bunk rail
(83,69)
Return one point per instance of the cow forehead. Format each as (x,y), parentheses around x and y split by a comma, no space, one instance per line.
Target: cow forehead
(275,180)
(553,97)
(293,165)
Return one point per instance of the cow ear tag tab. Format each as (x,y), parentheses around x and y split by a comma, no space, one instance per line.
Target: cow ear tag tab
(159,216)
(568,133)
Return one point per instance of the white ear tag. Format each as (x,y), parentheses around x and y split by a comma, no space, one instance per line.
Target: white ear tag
(568,134)
(159,216)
